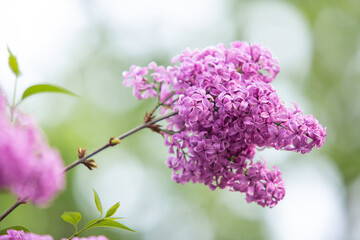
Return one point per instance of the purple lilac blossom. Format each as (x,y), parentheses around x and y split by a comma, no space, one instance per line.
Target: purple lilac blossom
(30,168)
(226,109)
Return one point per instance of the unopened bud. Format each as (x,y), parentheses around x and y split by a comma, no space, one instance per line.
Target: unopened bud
(148,117)
(81,152)
(114,141)
(155,128)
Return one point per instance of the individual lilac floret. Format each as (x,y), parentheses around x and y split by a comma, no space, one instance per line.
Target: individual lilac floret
(226,108)
(29,167)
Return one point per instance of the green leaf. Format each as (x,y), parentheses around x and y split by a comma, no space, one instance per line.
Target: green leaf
(111,223)
(13,63)
(97,202)
(112,210)
(263,72)
(4,231)
(71,217)
(43,88)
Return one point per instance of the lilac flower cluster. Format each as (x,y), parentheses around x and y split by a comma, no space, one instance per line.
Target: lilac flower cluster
(29,167)
(226,108)
(20,235)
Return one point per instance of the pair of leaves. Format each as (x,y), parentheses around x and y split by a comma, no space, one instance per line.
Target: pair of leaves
(108,221)
(72,218)
(35,89)
(109,212)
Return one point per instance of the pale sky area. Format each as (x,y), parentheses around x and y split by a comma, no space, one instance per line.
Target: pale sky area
(42,38)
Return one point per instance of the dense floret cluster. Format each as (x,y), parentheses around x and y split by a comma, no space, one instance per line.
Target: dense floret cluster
(29,167)
(226,108)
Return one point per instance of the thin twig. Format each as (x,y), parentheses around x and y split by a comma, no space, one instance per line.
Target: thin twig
(161,103)
(134,130)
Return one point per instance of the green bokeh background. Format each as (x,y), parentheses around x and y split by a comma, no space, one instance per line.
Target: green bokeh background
(331,86)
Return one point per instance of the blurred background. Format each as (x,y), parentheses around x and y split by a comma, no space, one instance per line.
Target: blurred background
(85,45)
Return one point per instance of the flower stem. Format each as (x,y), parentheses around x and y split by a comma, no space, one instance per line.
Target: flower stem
(13,106)
(161,103)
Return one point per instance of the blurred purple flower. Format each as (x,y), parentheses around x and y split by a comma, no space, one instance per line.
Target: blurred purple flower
(29,167)
(20,235)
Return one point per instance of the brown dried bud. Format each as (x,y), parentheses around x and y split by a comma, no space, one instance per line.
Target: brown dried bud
(148,117)
(90,164)
(155,128)
(81,152)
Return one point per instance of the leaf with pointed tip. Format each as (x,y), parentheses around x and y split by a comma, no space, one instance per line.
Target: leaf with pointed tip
(112,210)
(13,64)
(4,231)
(45,88)
(111,223)
(71,217)
(97,202)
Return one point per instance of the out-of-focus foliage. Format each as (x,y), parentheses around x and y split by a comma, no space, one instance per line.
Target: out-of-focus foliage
(334,81)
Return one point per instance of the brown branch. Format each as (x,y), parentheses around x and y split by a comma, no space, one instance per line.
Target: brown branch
(134,130)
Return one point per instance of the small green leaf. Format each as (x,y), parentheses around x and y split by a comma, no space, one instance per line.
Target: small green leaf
(263,72)
(4,231)
(13,63)
(97,202)
(112,210)
(111,223)
(71,217)
(42,88)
